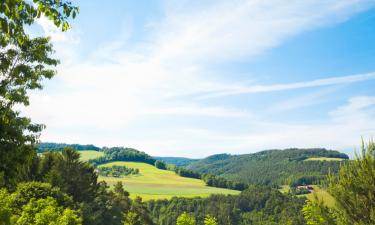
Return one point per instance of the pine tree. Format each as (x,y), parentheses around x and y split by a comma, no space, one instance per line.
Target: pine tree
(354,191)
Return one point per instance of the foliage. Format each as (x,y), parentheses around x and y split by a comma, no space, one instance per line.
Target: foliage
(160,165)
(178,161)
(183,172)
(66,171)
(353,191)
(316,213)
(117,171)
(210,220)
(122,154)
(138,214)
(276,167)
(221,182)
(185,219)
(24,63)
(37,203)
(46,212)
(49,146)
(274,208)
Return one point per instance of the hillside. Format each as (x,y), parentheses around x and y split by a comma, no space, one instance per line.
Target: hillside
(51,146)
(178,161)
(153,183)
(273,167)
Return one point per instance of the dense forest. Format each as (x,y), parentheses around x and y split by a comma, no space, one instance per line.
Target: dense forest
(272,167)
(257,206)
(178,161)
(49,146)
(122,154)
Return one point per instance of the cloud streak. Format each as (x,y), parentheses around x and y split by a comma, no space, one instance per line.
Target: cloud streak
(117,94)
(291,86)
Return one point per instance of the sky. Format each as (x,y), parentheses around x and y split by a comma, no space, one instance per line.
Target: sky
(196,78)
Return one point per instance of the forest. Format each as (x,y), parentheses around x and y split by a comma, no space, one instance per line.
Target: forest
(276,167)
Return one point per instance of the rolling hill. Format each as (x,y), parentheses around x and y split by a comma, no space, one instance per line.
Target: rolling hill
(153,183)
(178,161)
(272,167)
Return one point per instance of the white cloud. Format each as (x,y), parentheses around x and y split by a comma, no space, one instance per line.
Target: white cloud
(298,85)
(114,89)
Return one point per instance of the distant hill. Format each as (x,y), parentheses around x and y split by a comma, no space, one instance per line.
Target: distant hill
(178,161)
(271,167)
(50,146)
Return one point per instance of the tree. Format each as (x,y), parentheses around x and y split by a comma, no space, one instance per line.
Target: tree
(46,212)
(160,165)
(353,190)
(185,219)
(73,176)
(210,220)
(37,203)
(24,63)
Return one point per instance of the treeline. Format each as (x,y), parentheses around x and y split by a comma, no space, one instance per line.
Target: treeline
(49,146)
(117,171)
(273,167)
(258,205)
(221,182)
(122,154)
(178,161)
(209,179)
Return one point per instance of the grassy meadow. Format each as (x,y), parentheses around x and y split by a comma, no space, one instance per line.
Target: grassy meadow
(153,183)
(89,154)
(324,159)
(321,194)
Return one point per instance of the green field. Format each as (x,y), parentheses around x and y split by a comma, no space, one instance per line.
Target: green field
(153,183)
(89,154)
(322,195)
(324,159)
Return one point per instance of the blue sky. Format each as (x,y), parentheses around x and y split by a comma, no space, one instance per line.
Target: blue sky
(189,78)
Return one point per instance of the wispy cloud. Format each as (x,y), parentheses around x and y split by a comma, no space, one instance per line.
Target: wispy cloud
(290,86)
(104,97)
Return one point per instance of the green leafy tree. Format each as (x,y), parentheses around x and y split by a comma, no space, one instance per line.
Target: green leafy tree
(46,212)
(24,63)
(37,203)
(316,213)
(354,193)
(5,208)
(210,220)
(160,165)
(185,219)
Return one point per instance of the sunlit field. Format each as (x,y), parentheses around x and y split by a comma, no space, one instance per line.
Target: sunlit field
(324,159)
(153,183)
(89,154)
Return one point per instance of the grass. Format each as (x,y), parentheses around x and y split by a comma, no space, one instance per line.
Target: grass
(324,159)
(322,195)
(90,154)
(153,183)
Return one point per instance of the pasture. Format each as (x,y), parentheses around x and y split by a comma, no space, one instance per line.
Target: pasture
(323,159)
(86,155)
(321,194)
(153,183)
